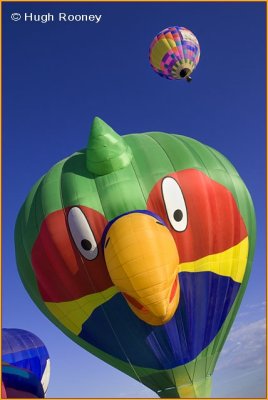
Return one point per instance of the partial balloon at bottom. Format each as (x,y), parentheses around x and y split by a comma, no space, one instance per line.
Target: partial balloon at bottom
(21,383)
(25,365)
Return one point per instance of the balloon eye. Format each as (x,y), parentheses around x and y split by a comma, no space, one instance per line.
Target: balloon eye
(178,215)
(175,204)
(82,234)
(86,244)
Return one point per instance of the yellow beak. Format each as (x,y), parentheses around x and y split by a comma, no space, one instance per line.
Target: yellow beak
(142,260)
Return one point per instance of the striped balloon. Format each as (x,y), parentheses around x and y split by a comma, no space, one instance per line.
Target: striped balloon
(174,53)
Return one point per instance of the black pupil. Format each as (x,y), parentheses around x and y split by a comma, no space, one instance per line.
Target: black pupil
(178,215)
(86,244)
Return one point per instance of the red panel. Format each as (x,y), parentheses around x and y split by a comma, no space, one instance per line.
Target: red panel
(12,393)
(62,273)
(3,392)
(134,302)
(214,221)
(173,290)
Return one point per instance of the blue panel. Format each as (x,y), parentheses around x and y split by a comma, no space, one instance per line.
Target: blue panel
(194,325)
(19,379)
(17,339)
(24,360)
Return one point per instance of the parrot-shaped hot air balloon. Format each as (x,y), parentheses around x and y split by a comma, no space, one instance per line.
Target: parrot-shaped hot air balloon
(139,248)
(25,364)
(174,53)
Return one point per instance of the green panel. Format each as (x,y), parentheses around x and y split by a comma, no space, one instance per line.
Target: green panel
(28,225)
(24,263)
(200,368)
(48,195)
(206,158)
(178,151)
(120,192)
(77,184)
(149,161)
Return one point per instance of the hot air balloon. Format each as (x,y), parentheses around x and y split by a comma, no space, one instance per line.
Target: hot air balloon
(139,248)
(174,53)
(25,364)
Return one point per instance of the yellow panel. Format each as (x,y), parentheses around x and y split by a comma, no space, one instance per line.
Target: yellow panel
(231,262)
(159,50)
(72,314)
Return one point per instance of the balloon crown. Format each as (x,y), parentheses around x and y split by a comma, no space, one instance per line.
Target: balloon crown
(106,151)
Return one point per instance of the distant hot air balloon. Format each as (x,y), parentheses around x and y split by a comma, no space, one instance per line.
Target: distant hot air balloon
(139,248)
(174,53)
(25,363)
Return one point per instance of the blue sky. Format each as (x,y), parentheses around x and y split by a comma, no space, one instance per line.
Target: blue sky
(58,76)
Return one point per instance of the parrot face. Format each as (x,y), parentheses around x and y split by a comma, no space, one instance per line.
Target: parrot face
(141,252)
(137,247)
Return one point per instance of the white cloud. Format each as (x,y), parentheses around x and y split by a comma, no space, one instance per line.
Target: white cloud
(240,371)
(245,346)
(250,313)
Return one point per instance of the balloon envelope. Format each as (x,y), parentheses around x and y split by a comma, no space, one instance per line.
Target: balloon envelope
(149,239)
(174,53)
(26,351)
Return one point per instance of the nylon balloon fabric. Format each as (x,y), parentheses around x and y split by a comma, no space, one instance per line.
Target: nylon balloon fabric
(174,53)
(21,383)
(149,239)
(26,352)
